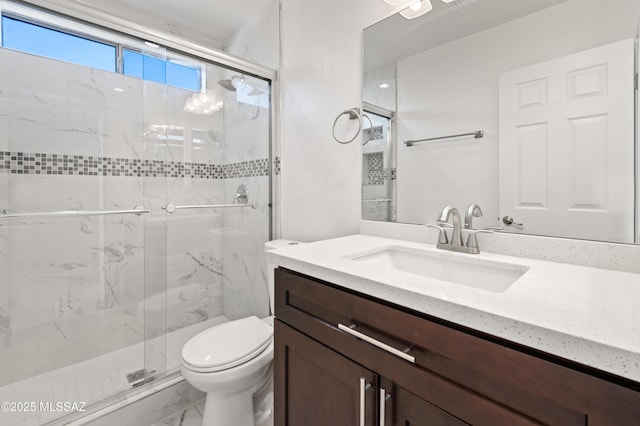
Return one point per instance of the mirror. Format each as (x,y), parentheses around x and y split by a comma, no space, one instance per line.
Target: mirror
(550,86)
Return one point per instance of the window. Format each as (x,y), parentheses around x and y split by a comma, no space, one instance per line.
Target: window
(31,38)
(52,43)
(147,67)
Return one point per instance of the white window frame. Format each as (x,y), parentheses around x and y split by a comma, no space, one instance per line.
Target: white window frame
(63,24)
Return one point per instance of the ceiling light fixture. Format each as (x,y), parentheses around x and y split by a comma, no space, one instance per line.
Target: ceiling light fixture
(416,9)
(202,104)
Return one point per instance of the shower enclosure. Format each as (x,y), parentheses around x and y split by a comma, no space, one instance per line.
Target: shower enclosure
(378,169)
(133,214)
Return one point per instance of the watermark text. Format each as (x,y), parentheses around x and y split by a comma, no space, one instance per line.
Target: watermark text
(47,406)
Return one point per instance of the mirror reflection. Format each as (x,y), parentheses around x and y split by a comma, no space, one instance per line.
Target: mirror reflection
(525,108)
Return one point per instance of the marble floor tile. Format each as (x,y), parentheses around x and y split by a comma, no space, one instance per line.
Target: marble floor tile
(190,416)
(93,380)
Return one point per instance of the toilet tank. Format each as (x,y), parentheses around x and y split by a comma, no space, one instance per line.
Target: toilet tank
(272,245)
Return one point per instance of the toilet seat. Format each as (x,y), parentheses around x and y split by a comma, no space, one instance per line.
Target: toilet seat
(227,345)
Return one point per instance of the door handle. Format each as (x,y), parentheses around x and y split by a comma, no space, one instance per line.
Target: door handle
(377,343)
(508,220)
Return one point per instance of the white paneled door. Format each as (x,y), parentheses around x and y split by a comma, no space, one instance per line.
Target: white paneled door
(566,145)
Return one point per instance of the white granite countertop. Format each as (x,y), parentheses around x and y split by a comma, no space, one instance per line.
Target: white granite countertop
(584,314)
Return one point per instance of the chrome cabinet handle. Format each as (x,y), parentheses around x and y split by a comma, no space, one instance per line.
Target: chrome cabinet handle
(377,343)
(508,220)
(383,400)
(363,389)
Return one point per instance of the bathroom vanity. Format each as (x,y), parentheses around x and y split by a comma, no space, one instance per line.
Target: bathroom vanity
(363,344)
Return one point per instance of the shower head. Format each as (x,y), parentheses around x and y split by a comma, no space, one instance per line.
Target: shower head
(232,83)
(227,84)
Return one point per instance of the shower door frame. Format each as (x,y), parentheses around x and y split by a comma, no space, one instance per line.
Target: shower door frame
(87,14)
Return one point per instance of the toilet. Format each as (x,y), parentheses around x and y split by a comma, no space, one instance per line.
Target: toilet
(232,361)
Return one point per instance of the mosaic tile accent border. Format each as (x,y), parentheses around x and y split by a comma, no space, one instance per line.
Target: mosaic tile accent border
(375,169)
(251,168)
(79,165)
(276,165)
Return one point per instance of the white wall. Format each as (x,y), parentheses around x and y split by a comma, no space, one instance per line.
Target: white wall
(130,14)
(259,39)
(454,89)
(321,76)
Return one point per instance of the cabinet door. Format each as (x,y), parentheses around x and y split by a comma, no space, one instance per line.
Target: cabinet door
(399,407)
(316,386)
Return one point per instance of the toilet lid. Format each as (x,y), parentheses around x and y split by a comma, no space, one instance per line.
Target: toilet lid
(227,345)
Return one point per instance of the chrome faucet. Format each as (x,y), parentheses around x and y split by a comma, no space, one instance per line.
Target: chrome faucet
(455,242)
(456,236)
(472,211)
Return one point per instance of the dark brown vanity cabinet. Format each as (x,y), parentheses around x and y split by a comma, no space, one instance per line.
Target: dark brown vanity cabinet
(321,387)
(343,358)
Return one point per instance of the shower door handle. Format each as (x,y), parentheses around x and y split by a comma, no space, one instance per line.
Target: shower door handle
(170,208)
(241,199)
(137,210)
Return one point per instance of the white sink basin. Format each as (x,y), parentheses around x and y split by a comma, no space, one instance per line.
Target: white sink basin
(473,272)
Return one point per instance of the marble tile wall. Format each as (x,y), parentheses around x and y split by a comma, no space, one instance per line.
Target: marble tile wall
(246,230)
(243,236)
(73,288)
(375,204)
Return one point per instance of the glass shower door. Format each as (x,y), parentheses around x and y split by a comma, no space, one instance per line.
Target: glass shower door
(72,240)
(105,269)
(101,283)
(217,209)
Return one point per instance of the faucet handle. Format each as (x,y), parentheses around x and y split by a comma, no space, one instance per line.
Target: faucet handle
(472,240)
(442,235)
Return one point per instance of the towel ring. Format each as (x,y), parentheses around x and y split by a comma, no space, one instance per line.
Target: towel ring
(370,127)
(354,114)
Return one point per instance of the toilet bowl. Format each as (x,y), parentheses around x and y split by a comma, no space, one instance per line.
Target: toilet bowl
(231,362)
